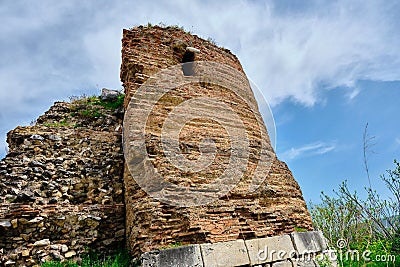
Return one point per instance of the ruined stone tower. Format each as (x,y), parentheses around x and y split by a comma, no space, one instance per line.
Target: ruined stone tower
(199,168)
(276,207)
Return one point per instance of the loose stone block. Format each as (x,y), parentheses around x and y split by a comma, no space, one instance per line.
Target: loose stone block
(40,243)
(70,254)
(5,223)
(174,257)
(309,242)
(225,254)
(264,250)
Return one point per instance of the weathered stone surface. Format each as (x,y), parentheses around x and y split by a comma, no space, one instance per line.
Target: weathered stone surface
(174,257)
(231,253)
(309,242)
(64,248)
(269,249)
(25,253)
(70,254)
(109,95)
(62,182)
(236,254)
(40,243)
(150,259)
(14,223)
(9,263)
(5,223)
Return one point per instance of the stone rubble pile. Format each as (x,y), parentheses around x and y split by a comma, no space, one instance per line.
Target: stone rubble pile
(61,187)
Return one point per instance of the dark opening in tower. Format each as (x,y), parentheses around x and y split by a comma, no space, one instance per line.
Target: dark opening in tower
(187,60)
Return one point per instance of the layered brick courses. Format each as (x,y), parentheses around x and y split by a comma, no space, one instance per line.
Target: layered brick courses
(276,208)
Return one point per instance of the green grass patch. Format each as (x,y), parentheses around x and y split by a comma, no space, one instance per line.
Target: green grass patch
(173,245)
(299,229)
(96,100)
(121,259)
(112,104)
(62,123)
(91,113)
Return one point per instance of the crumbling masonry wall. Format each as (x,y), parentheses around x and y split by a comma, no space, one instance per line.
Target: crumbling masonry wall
(276,208)
(61,188)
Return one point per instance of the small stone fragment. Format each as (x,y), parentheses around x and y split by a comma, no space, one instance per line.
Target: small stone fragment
(40,243)
(14,223)
(5,223)
(54,137)
(64,248)
(35,220)
(109,95)
(70,254)
(120,233)
(25,236)
(37,137)
(25,253)
(9,263)
(64,189)
(55,255)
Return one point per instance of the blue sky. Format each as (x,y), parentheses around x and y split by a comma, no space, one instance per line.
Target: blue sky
(326,68)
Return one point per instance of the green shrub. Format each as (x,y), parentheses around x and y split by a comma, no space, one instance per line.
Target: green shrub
(370,224)
(90,107)
(299,229)
(96,100)
(112,104)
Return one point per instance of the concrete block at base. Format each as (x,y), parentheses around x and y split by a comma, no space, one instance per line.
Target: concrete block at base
(309,242)
(174,257)
(269,249)
(150,259)
(285,263)
(225,254)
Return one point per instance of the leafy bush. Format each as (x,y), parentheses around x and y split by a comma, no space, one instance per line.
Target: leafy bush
(112,104)
(90,107)
(355,224)
(364,224)
(96,100)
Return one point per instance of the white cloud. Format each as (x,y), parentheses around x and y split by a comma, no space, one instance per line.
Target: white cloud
(317,148)
(397,140)
(52,50)
(288,52)
(292,56)
(353,93)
